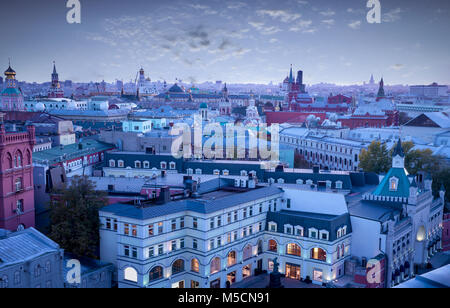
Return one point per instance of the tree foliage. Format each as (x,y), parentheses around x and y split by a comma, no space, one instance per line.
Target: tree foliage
(74,217)
(375,159)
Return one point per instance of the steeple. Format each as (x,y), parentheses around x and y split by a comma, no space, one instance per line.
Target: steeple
(398,156)
(381,93)
(291,77)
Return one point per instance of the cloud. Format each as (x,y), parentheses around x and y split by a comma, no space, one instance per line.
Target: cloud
(392,15)
(303,26)
(397,67)
(263,29)
(355,24)
(282,15)
(327,13)
(329,22)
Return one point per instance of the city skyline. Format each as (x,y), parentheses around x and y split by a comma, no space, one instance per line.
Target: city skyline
(237,42)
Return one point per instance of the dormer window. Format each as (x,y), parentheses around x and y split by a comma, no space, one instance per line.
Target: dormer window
(393,184)
(288,229)
(339,185)
(272,226)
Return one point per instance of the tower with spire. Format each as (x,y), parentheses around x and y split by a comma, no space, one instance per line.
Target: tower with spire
(12,97)
(372,80)
(225,104)
(55,90)
(381,93)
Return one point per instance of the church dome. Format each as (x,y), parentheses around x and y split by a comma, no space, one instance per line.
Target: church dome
(203,106)
(40,107)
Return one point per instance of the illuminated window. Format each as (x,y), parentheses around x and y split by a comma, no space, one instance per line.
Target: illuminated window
(393,186)
(318,254)
(195,266)
(215,265)
(247,253)
(130,274)
(178,267)
(231,259)
(273,245)
(294,250)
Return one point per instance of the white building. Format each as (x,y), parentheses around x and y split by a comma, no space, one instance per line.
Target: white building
(222,236)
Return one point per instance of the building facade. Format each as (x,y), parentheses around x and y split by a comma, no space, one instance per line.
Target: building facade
(16,190)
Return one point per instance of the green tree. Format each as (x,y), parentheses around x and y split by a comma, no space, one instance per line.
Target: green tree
(375,159)
(442,178)
(74,217)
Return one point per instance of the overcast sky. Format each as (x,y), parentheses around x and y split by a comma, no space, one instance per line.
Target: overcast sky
(233,41)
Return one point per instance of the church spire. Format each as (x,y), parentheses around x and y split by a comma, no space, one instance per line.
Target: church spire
(291,77)
(381,93)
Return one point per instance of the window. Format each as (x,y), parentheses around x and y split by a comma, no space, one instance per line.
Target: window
(182,243)
(235,235)
(260,208)
(172,166)
(198,171)
(338,185)
(293,249)
(215,265)
(225,172)
(134,252)
(195,223)
(313,233)
(298,231)
(393,186)
(211,244)
(137,164)
(174,224)
(216,172)
(115,224)
(181,222)
(151,252)
(134,230)
(48,267)
(174,245)
(18,184)
(126,229)
(120,164)
(272,227)
(324,235)
(219,241)
(244,213)
(247,253)
(112,163)
(160,227)
(178,267)
(273,246)
(288,203)
(160,249)
(288,229)
(318,254)
(231,259)
(229,218)
(163,165)
(155,274)
(19,206)
(150,230)
(146,164)
(250,211)
(130,274)
(235,215)
(219,221)
(195,266)
(194,244)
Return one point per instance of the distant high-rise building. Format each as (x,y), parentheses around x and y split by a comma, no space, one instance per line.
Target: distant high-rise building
(12,97)
(372,80)
(55,90)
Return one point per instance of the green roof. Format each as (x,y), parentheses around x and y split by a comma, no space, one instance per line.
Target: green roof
(11,91)
(203,105)
(56,155)
(383,188)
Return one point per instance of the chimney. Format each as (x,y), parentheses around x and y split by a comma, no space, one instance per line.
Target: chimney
(164,195)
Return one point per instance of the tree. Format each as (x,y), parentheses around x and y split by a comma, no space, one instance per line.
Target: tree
(442,178)
(375,159)
(74,217)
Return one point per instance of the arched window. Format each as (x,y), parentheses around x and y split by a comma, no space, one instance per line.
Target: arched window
(195,266)
(293,249)
(273,246)
(231,259)
(247,253)
(130,274)
(155,274)
(260,247)
(18,184)
(178,266)
(18,159)
(215,265)
(318,254)
(9,160)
